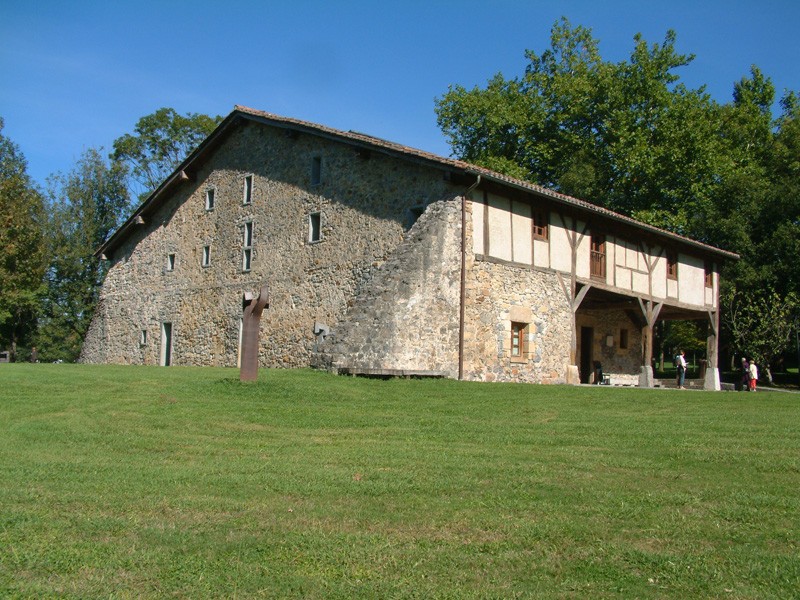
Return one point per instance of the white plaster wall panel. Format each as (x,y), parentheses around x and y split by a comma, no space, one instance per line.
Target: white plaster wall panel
(584,248)
(640,282)
(521,230)
(560,253)
(478,209)
(691,289)
(672,288)
(623,275)
(619,252)
(500,227)
(541,253)
(660,278)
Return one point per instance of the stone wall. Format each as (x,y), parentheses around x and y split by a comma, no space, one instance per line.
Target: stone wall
(406,317)
(498,295)
(365,204)
(610,323)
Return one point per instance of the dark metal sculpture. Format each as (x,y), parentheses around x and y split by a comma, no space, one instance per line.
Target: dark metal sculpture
(253,307)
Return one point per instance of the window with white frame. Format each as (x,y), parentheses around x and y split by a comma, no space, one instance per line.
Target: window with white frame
(210,199)
(247,197)
(206,256)
(314,227)
(247,246)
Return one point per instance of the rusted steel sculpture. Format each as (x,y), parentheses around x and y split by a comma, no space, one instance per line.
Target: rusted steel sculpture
(253,307)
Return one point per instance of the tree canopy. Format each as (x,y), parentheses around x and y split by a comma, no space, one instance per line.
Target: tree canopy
(22,252)
(160,142)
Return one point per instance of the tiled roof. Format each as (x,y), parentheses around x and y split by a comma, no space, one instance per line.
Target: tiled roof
(378,144)
(477,170)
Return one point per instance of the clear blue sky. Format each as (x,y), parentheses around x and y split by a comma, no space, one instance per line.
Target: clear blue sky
(79,74)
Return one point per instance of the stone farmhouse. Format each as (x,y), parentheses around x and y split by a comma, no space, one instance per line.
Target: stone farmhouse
(386,260)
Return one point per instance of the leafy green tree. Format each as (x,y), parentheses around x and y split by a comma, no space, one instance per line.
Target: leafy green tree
(85,207)
(22,252)
(761,324)
(160,142)
(627,136)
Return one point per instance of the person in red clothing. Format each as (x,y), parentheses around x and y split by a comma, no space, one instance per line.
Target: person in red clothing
(753,375)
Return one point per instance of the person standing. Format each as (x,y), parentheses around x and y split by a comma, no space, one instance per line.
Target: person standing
(753,369)
(745,382)
(680,361)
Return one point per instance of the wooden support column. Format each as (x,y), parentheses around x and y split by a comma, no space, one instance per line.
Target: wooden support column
(573,296)
(650,311)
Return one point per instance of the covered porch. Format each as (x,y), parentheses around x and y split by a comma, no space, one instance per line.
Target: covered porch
(613,334)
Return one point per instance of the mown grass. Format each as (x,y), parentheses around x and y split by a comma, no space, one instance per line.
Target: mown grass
(139,482)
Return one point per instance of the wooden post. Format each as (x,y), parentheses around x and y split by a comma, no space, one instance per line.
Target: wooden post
(253,308)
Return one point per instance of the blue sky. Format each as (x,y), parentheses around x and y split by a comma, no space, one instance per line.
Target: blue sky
(79,74)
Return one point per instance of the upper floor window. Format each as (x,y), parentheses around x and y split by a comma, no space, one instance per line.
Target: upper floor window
(316,170)
(210,199)
(170,262)
(540,224)
(206,256)
(248,190)
(247,246)
(672,265)
(709,274)
(314,227)
(598,256)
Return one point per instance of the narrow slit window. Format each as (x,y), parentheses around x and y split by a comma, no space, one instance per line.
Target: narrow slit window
(210,200)
(206,256)
(314,227)
(170,262)
(247,246)
(143,337)
(248,190)
(316,170)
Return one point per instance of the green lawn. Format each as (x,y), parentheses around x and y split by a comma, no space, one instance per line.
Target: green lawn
(142,482)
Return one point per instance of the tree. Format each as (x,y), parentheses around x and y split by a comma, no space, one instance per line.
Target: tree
(761,324)
(161,141)
(85,207)
(627,136)
(22,254)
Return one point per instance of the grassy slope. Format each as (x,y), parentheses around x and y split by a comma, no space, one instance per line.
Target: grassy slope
(148,482)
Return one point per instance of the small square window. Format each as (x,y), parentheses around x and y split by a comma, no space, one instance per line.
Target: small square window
(170,262)
(248,190)
(316,170)
(314,227)
(540,224)
(206,256)
(209,199)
